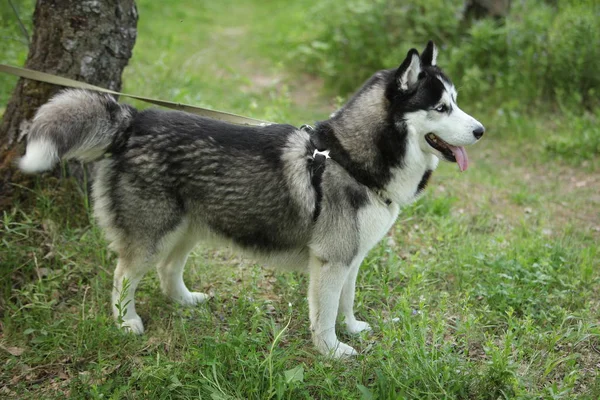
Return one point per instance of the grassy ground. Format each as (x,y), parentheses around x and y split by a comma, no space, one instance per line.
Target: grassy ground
(486,288)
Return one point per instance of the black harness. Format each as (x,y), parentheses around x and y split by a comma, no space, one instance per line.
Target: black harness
(316,163)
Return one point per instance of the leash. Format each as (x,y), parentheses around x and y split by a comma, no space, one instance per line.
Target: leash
(61,81)
(317,161)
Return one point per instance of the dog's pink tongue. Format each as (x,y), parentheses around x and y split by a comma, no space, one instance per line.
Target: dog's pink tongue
(461,157)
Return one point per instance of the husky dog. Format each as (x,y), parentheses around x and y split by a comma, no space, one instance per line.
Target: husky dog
(315,200)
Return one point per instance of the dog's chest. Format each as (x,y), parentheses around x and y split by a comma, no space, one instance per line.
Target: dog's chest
(408,183)
(374,222)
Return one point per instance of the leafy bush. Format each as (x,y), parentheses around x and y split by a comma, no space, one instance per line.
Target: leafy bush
(358,37)
(13,47)
(504,61)
(541,51)
(574,51)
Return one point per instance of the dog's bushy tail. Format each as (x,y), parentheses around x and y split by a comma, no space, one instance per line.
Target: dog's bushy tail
(76,124)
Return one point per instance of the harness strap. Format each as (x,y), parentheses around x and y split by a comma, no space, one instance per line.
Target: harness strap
(317,164)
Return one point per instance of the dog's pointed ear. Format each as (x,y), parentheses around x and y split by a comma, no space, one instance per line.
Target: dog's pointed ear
(408,72)
(429,55)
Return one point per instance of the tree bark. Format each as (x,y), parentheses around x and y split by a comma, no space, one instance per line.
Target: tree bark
(487,8)
(89,41)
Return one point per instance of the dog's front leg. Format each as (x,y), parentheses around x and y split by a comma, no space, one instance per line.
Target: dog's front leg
(324,290)
(346,309)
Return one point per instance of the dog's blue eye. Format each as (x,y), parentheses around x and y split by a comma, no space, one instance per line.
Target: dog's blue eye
(441,108)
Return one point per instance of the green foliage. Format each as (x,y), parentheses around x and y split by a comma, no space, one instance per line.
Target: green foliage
(540,51)
(574,51)
(13,43)
(502,61)
(353,39)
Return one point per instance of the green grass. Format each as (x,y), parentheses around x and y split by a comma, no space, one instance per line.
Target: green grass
(486,288)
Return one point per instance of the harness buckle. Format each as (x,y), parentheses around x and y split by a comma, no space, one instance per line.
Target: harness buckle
(324,153)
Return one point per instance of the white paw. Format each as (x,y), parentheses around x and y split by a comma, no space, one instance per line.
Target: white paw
(342,350)
(356,327)
(192,298)
(133,325)
(336,349)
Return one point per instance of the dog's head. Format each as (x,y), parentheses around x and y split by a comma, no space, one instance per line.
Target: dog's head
(423,101)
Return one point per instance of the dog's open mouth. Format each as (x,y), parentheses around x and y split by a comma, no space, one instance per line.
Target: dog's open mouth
(456,154)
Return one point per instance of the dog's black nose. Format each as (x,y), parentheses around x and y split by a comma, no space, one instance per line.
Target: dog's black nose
(478,132)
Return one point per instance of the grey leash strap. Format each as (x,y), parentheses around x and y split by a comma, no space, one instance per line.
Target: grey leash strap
(59,80)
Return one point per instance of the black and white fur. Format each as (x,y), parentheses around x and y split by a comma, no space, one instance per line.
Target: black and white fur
(167,180)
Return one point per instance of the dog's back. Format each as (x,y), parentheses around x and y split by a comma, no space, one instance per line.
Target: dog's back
(227,179)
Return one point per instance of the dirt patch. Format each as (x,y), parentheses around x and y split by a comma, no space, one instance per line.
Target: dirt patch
(558,195)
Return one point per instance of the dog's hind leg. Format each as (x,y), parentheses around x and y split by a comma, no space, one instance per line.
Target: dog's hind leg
(128,274)
(170,272)
(346,309)
(324,292)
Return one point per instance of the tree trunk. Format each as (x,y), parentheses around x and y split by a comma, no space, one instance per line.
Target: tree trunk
(487,8)
(85,40)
